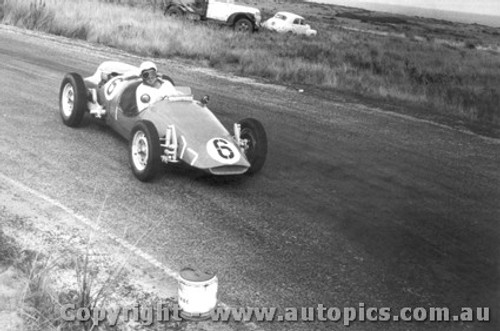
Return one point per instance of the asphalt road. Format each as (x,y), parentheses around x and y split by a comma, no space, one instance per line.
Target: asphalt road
(353,205)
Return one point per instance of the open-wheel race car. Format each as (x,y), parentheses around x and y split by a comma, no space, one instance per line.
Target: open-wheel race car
(176,128)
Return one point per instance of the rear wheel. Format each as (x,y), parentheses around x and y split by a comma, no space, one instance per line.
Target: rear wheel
(255,147)
(174,12)
(243,25)
(144,151)
(72,99)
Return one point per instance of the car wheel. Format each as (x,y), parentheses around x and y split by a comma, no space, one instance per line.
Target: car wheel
(243,25)
(144,151)
(72,99)
(174,12)
(255,147)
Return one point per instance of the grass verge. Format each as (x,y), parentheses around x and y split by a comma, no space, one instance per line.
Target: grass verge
(47,268)
(460,81)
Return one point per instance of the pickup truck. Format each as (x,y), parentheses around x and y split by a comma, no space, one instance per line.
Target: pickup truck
(239,17)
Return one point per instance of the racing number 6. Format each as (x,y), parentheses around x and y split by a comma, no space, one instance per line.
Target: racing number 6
(223,149)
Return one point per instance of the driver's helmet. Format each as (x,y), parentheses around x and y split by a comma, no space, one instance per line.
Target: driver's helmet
(147,67)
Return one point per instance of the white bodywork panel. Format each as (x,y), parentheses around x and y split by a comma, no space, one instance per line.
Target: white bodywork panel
(220,10)
(109,67)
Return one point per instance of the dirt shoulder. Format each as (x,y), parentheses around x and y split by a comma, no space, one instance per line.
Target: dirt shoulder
(50,259)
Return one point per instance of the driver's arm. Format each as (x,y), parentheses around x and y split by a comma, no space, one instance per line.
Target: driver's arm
(168,89)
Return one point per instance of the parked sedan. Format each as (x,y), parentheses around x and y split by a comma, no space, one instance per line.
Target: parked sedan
(289,22)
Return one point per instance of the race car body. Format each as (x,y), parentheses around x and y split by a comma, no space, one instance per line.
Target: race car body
(175,129)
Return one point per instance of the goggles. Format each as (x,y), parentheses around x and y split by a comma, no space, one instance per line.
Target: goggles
(148,74)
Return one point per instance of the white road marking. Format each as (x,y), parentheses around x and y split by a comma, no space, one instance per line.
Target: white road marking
(135,250)
(125,244)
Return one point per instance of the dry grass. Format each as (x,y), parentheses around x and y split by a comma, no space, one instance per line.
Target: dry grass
(58,268)
(460,81)
(40,299)
(8,250)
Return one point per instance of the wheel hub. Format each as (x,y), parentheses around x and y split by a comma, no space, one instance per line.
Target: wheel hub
(68,100)
(140,151)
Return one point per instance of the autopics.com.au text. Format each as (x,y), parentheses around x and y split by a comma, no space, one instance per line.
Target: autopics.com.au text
(148,315)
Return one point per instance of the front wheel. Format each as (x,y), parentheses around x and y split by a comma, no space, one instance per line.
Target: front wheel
(243,25)
(254,138)
(144,151)
(72,99)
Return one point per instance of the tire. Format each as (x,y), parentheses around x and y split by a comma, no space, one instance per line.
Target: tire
(174,12)
(256,149)
(243,25)
(144,151)
(72,99)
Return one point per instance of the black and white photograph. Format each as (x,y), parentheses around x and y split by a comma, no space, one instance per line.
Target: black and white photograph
(244,165)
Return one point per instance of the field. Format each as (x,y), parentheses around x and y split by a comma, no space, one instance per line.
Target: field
(446,68)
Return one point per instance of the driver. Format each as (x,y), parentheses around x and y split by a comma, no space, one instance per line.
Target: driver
(152,88)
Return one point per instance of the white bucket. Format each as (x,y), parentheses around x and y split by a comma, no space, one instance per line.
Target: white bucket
(197,293)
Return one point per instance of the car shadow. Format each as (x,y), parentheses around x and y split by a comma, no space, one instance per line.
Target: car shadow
(199,176)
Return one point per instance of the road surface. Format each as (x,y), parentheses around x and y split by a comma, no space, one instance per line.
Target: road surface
(354,205)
